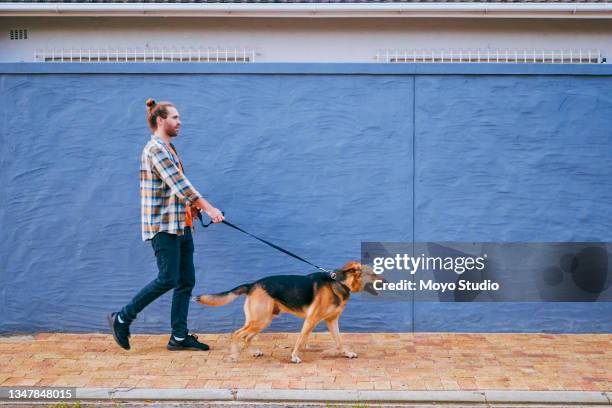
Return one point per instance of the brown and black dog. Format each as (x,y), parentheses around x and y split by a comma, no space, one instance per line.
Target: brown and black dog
(315,297)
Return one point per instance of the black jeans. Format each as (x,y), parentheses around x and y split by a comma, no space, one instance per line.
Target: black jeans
(174,255)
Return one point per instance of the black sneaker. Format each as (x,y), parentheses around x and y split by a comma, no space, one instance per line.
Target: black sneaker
(121,331)
(190,343)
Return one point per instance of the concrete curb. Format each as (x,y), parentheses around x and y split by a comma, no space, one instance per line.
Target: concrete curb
(270,395)
(422,396)
(261,395)
(547,397)
(174,394)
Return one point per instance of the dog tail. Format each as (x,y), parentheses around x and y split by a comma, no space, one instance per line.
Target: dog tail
(223,298)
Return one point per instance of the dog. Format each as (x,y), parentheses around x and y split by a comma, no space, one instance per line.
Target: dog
(314,298)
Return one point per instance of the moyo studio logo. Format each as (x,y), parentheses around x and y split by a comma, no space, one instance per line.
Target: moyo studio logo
(491,271)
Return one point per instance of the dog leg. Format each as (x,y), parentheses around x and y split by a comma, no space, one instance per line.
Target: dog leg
(309,325)
(332,326)
(254,351)
(258,309)
(235,345)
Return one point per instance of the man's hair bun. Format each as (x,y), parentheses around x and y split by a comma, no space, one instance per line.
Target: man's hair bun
(155,110)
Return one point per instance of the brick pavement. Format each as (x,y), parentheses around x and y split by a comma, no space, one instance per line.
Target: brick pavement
(421,361)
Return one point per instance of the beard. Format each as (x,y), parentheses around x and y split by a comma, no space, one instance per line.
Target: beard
(172,131)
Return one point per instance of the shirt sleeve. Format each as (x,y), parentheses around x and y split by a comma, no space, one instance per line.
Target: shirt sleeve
(172,176)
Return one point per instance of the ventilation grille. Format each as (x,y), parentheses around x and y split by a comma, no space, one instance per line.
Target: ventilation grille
(578,56)
(20,34)
(147,55)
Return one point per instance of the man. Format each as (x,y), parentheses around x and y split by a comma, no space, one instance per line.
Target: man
(168,205)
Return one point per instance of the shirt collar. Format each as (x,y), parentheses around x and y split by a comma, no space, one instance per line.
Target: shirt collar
(165,146)
(158,139)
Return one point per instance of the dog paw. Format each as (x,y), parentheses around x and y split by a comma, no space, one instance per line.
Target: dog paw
(257,353)
(296,359)
(350,354)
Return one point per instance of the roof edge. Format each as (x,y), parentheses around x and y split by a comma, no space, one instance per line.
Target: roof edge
(311,10)
(288,68)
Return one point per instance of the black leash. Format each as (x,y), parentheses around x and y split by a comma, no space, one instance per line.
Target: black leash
(229,224)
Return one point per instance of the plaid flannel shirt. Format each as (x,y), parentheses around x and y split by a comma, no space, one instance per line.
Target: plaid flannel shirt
(165,192)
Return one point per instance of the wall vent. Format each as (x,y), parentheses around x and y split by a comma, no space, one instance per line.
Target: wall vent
(495,56)
(110,55)
(19,34)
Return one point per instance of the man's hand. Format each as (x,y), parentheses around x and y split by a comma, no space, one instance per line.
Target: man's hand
(215,215)
(195,212)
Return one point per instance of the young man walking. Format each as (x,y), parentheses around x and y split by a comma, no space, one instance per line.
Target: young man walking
(167,202)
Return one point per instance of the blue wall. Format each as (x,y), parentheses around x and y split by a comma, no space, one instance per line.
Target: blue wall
(317,158)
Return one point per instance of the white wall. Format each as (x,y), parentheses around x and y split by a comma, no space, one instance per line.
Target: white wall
(303,40)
